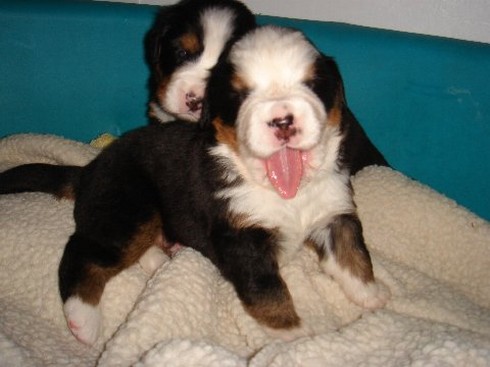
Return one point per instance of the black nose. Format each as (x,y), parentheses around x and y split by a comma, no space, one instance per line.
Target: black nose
(283,123)
(284,127)
(193,102)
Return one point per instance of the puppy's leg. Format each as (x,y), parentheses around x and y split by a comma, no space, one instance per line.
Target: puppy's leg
(158,254)
(247,258)
(87,265)
(152,259)
(345,257)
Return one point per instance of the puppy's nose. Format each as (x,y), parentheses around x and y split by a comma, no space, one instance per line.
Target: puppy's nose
(193,102)
(283,126)
(282,123)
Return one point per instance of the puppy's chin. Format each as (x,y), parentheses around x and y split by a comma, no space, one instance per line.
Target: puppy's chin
(187,115)
(157,112)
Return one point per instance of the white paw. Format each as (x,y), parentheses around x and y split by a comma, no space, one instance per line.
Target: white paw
(152,259)
(371,295)
(288,335)
(83,320)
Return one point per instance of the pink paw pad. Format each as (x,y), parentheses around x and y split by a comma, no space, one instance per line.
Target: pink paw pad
(83,320)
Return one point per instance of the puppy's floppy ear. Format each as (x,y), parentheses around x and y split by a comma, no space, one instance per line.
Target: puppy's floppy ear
(153,37)
(219,99)
(327,82)
(356,151)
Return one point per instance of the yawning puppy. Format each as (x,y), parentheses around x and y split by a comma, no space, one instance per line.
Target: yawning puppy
(289,144)
(265,173)
(184,43)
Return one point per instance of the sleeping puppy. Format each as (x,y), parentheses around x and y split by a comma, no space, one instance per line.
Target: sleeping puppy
(184,43)
(264,173)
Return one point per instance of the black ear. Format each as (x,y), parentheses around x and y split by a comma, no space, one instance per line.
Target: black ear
(152,48)
(327,83)
(157,32)
(220,99)
(356,151)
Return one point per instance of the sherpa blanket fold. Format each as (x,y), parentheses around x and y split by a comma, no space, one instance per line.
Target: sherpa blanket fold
(433,254)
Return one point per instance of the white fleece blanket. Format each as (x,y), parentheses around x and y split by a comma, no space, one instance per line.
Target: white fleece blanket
(433,254)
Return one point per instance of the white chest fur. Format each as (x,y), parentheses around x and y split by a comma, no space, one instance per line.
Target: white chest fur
(325,195)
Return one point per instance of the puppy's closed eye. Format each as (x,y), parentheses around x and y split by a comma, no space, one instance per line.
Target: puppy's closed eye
(182,55)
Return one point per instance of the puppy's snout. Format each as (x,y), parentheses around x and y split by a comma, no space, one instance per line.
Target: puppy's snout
(284,127)
(193,102)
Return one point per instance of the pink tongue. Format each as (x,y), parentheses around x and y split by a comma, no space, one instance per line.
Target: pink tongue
(285,169)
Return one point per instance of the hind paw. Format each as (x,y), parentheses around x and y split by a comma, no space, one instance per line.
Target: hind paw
(83,320)
(152,259)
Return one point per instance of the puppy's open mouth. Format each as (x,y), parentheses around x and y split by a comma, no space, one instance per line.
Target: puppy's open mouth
(285,171)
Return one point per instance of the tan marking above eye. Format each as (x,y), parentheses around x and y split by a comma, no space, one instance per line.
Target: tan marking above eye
(238,83)
(190,42)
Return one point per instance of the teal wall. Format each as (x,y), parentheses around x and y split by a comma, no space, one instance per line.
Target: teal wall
(76,69)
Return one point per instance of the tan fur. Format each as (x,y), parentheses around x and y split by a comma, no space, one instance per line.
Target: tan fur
(67,192)
(238,83)
(348,255)
(276,312)
(312,245)
(335,113)
(190,42)
(240,221)
(91,287)
(146,237)
(226,134)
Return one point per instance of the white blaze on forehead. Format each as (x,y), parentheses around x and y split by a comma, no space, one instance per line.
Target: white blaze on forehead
(217,30)
(273,57)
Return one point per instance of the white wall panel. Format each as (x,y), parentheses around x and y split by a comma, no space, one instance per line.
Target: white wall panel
(461,19)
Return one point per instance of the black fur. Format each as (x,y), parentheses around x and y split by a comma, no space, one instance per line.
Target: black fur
(357,150)
(165,170)
(51,179)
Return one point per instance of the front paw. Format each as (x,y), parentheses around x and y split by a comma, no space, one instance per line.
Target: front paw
(83,320)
